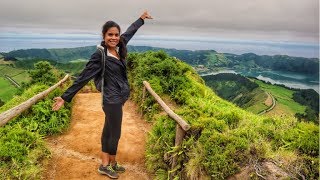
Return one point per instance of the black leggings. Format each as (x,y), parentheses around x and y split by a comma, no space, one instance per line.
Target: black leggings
(112,128)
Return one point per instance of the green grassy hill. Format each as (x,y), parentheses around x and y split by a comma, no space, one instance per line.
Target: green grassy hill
(252,95)
(209,58)
(286,106)
(23,150)
(8,90)
(223,138)
(239,90)
(18,74)
(18,71)
(60,55)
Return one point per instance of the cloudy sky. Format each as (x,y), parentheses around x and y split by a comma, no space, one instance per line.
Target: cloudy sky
(280,20)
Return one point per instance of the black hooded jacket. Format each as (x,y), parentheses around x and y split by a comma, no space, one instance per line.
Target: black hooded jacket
(116,87)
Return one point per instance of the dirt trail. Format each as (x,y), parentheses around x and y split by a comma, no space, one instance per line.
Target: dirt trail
(76,153)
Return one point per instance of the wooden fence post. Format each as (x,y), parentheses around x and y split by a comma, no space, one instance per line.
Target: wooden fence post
(179,138)
(181,127)
(143,98)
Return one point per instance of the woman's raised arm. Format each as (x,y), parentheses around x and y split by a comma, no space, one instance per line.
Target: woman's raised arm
(132,29)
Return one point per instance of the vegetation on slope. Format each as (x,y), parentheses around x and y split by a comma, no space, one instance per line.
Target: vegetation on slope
(19,71)
(239,90)
(8,89)
(286,106)
(22,148)
(60,55)
(223,137)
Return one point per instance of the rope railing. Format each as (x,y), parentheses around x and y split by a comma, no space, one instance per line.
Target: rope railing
(181,127)
(17,110)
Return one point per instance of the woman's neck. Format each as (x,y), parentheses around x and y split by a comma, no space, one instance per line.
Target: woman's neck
(111,48)
(113,51)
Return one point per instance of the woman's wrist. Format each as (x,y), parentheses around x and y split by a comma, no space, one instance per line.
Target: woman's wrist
(142,17)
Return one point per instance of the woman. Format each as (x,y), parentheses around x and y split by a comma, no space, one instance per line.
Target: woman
(115,92)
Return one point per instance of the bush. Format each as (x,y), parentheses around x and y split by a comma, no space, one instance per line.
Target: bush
(21,153)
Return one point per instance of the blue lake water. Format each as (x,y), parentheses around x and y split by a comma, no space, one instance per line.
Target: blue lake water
(289,79)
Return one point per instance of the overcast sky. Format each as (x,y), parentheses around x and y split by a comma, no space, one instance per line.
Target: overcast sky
(279,20)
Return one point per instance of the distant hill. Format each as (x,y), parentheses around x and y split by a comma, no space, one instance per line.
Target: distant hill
(60,55)
(250,94)
(276,62)
(239,90)
(207,58)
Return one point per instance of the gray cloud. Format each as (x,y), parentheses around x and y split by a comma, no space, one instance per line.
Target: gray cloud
(292,20)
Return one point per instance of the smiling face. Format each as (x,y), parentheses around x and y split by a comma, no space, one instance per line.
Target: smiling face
(112,37)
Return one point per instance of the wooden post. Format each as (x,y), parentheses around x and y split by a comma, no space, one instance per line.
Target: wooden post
(143,93)
(143,98)
(179,138)
(184,125)
(15,111)
(181,127)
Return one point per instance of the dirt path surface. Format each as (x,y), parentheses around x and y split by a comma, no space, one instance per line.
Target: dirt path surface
(269,100)
(76,153)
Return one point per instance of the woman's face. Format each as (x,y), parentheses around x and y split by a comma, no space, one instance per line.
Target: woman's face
(112,37)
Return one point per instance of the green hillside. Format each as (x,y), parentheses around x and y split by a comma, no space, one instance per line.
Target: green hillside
(209,58)
(286,106)
(23,150)
(18,74)
(7,89)
(18,71)
(60,55)
(223,138)
(276,62)
(239,90)
(251,94)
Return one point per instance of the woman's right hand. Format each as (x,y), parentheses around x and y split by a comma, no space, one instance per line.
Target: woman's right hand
(57,104)
(146,15)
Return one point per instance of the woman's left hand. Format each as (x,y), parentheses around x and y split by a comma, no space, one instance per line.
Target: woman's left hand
(145,15)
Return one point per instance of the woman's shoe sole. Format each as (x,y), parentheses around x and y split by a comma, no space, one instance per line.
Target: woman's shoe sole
(102,172)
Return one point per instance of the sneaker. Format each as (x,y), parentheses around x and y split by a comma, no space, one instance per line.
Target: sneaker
(109,171)
(118,168)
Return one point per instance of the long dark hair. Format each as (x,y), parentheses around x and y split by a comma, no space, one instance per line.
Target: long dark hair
(121,45)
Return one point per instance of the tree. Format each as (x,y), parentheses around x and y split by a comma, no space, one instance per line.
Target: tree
(42,73)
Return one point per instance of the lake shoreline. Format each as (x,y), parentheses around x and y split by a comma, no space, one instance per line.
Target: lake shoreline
(289,80)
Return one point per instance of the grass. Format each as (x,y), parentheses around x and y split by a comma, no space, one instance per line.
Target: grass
(285,104)
(2,61)
(19,75)
(79,60)
(7,89)
(257,101)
